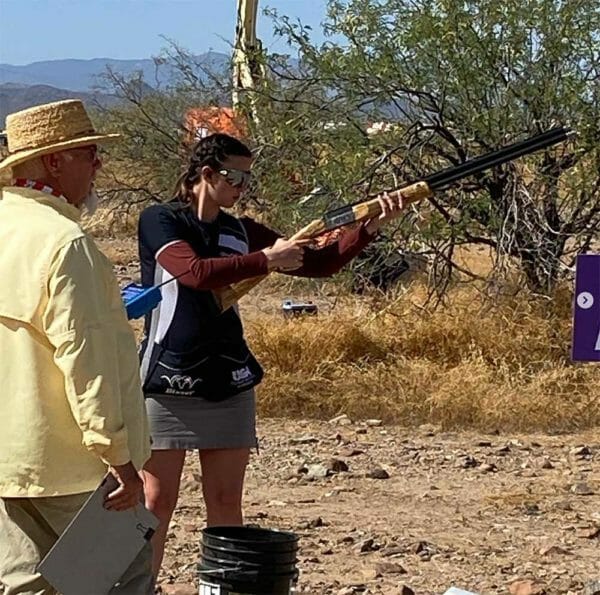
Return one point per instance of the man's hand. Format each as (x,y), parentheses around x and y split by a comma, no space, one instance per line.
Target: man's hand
(129,493)
(391,208)
(286,255)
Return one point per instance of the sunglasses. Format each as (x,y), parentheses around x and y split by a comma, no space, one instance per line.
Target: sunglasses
(238,178)
(89,152)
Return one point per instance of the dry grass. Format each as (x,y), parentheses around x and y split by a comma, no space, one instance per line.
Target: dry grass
(495,367)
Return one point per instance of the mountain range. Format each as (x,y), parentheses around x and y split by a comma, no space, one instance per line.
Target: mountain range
(41,82)
(84,75)
(53,80)
(15,97)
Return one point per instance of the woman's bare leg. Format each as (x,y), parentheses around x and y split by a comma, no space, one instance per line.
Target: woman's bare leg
(223,473)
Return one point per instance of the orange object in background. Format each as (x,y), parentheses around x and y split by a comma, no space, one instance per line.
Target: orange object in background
(202,121)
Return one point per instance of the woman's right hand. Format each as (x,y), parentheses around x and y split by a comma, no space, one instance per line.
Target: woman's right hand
(285,255)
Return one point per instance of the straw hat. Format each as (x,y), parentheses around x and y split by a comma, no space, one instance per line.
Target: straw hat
(49,128)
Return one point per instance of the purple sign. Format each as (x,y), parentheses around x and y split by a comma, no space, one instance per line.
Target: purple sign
(586,309)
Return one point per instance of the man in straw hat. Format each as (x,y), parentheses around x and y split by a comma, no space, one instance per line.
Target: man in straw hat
(71,404)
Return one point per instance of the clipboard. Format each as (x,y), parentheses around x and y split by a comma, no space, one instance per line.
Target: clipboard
(98,545)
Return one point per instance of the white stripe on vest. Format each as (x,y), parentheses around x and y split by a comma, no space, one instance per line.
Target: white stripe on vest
(233,243)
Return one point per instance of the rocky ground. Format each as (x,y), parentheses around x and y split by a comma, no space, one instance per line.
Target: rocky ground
(397,511)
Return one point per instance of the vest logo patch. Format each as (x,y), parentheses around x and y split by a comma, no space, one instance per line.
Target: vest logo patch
(181,382)
(241,375)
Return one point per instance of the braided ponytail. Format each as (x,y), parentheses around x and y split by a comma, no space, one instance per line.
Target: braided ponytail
(212,150)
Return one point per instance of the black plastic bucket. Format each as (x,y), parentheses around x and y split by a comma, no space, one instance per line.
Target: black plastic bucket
(247,561)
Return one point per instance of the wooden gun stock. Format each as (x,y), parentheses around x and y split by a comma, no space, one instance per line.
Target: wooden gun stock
(228,296)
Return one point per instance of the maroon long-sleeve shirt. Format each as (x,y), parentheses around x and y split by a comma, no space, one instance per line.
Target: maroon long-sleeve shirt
(197,272)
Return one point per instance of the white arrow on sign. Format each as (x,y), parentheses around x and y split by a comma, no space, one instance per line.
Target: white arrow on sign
(585,300)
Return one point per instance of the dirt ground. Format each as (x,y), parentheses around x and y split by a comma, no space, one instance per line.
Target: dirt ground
(391,510)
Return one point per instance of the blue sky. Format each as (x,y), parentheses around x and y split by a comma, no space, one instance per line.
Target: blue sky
(35,30)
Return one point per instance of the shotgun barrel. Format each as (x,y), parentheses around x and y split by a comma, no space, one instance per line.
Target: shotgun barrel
(441,179)
(477,165)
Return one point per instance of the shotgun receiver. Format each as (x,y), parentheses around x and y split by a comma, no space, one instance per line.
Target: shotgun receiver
(415,192)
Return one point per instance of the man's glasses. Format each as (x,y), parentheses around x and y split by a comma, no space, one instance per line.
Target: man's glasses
(238,178)
(89,152)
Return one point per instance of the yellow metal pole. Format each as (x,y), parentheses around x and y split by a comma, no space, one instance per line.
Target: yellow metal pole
(247,70)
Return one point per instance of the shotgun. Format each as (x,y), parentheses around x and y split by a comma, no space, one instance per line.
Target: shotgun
(414,192)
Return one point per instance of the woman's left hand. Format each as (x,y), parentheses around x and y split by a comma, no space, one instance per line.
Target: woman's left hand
(391,208)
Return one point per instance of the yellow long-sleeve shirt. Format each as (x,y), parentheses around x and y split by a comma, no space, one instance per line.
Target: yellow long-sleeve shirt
(70,395)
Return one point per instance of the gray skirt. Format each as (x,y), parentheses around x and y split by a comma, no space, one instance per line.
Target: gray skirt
(194,423)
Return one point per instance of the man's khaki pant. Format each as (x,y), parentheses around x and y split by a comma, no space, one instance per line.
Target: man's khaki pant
(28,529)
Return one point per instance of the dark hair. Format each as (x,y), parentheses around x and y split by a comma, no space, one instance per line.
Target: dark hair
(212,150)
